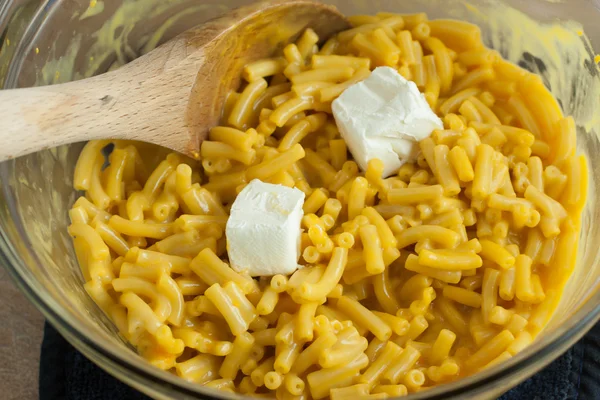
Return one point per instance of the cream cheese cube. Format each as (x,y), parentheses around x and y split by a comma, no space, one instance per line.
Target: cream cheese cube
(263,230)
(384,117)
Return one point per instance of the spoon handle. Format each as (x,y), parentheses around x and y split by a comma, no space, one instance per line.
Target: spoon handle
(146,100)
(136,102)
(37,118)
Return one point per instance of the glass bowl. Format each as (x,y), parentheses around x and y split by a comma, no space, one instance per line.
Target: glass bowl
(53,41)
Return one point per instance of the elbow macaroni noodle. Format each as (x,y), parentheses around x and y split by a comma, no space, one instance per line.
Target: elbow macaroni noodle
(453,265)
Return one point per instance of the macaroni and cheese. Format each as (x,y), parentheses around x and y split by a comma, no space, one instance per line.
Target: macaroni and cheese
(453,264)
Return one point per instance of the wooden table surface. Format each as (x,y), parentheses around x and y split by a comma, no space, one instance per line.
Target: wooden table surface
(21,330)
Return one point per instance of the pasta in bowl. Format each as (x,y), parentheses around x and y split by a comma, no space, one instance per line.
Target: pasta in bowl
(451,264)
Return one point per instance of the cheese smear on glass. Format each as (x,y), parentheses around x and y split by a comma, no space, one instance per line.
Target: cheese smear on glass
(263,230)
(384,117)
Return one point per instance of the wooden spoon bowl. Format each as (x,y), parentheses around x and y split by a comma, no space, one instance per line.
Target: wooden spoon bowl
(171,96)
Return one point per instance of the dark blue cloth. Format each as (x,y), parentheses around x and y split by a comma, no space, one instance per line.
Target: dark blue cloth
(65,374)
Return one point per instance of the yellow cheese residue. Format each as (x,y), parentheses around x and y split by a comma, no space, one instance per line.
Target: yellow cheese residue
(96,7)
(113,40)
(558,51)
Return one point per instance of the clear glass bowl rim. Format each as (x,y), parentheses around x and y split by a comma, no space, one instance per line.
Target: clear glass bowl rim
(136,371)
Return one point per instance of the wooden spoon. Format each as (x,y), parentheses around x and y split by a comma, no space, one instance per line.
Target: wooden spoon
(171,96)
